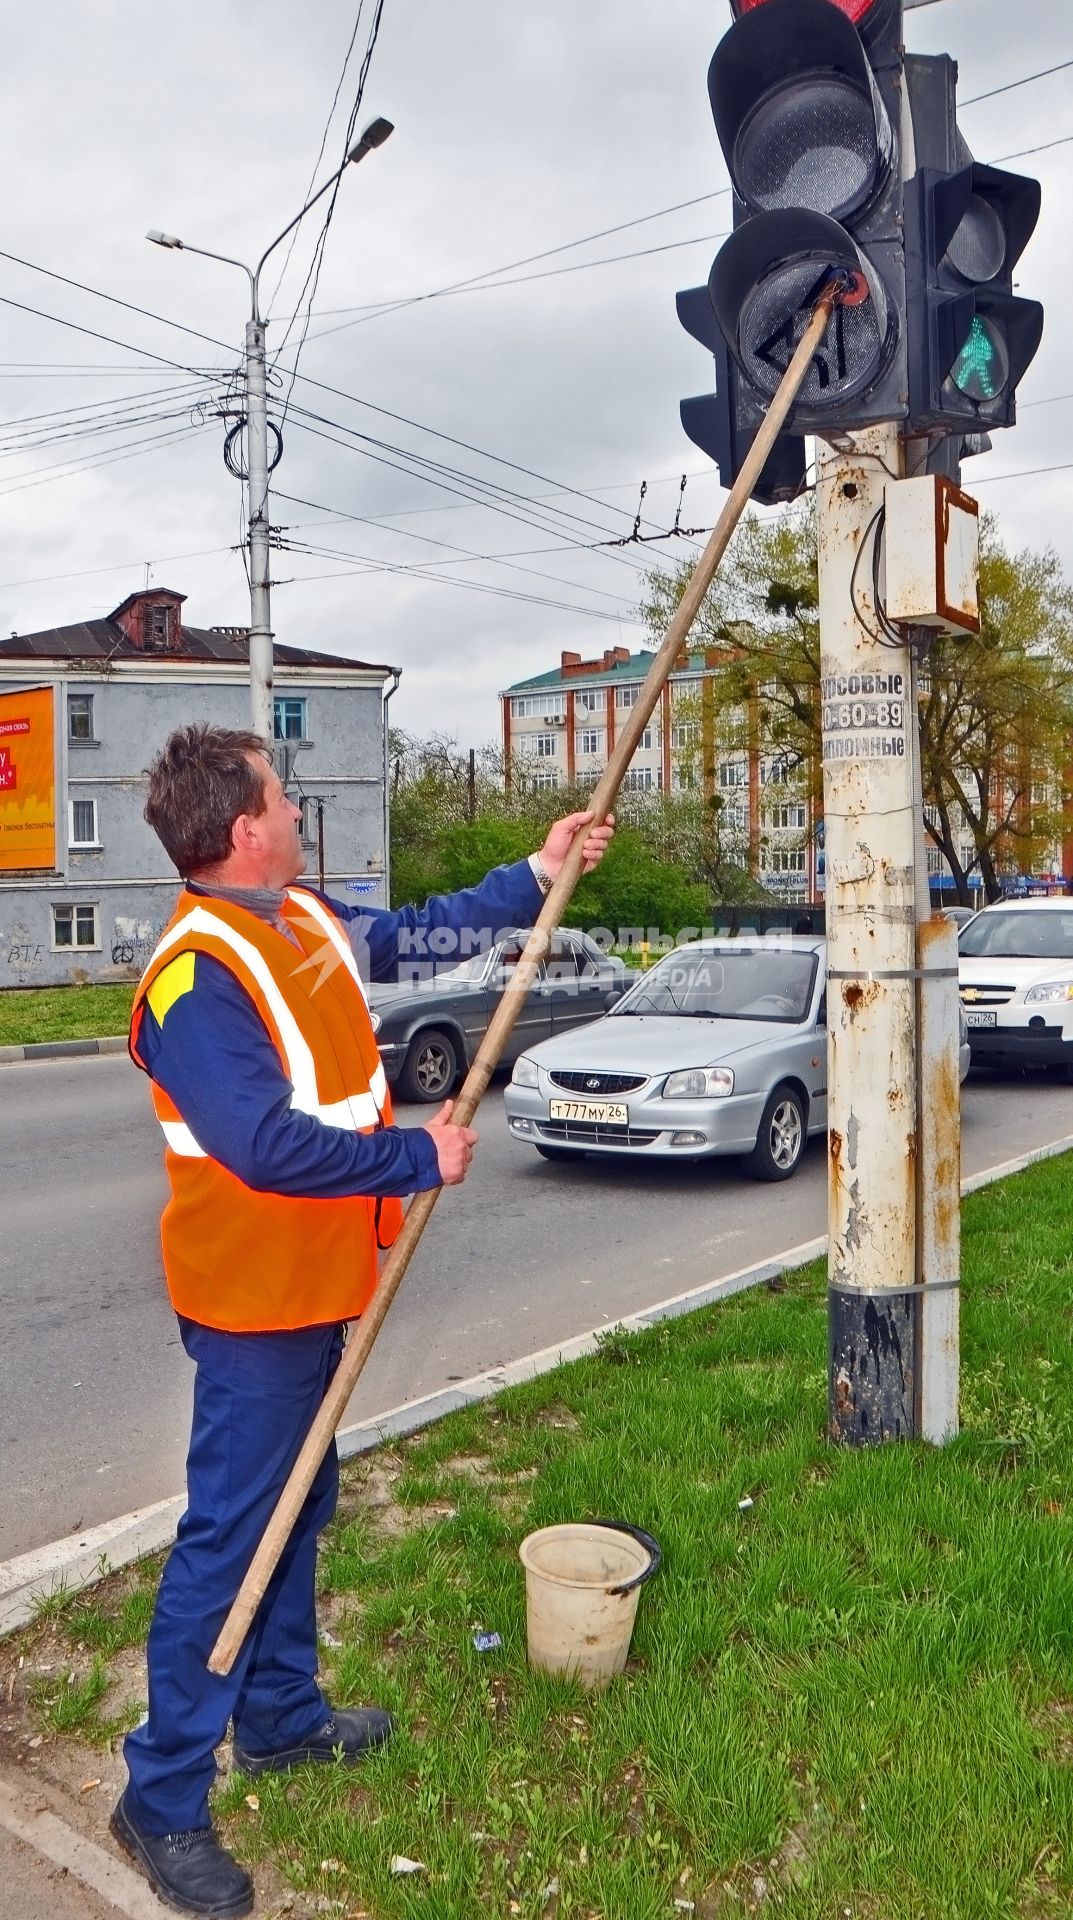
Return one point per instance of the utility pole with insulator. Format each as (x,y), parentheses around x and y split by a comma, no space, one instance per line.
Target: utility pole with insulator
(254,424)
(819,135)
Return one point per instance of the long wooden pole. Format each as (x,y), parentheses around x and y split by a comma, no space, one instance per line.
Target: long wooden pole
(360,1344)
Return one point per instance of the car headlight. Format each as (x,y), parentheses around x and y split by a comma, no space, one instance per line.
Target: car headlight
(1049,990)
(696,1083)
(375,1020)
(525,1073)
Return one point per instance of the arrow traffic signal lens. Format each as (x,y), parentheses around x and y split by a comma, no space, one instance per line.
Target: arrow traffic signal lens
(809,146)
(764,287)
(982,368)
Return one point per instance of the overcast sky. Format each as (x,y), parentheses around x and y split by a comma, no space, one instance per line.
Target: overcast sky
(518,129)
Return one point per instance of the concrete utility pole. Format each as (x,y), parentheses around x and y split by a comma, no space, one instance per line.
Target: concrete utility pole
(870,831)
(258,466)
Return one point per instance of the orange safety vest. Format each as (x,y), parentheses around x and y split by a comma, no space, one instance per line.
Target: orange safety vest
(247,1261)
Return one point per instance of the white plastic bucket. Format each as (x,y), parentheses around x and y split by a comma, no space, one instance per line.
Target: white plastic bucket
(582,1585)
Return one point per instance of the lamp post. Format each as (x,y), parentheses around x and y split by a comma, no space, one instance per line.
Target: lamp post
(257,467)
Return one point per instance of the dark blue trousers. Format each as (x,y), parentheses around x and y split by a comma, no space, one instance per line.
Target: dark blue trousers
(255,1396)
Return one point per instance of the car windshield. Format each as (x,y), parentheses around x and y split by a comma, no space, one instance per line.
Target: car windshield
(749,983)
(1028,935)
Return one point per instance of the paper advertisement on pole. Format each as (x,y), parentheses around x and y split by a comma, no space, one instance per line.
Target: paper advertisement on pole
(27,780)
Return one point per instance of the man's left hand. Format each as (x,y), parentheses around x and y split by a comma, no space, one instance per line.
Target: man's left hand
(562,837)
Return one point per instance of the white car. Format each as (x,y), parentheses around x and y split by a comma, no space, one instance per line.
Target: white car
(1015,972)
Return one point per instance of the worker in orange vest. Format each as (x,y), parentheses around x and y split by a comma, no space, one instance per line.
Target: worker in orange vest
(286,1173)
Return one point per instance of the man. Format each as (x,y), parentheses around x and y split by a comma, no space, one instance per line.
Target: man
(286,1171)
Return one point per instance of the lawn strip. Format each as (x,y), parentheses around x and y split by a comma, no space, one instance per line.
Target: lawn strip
(63,1013)
(853,1696)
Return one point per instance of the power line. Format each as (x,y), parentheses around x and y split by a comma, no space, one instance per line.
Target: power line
(318,252)
(1009,85)
(1024,153)
(39,314)
(320,151)
(115,301)
(377,310)
(24,485)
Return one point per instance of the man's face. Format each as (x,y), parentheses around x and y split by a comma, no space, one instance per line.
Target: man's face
(277,830)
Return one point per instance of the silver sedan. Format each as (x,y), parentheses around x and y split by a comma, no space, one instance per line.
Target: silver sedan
(720,1049)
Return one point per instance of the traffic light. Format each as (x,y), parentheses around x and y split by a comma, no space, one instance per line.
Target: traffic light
(806,98)
(724,424)
(974,337)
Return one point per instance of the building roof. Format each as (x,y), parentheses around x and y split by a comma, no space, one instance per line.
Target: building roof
(108,639)
(634,667)
(618,665)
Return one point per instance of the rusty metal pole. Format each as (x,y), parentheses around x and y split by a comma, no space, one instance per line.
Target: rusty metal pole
(870,829)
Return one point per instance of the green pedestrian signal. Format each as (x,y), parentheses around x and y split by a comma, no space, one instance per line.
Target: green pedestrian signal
(982,368)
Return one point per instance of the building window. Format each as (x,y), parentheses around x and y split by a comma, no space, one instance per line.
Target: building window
(289,718)
(689,688)
(685,736)
(546,777)
(733,819)
(546,746)
(589,740)
(157,627)
(733,773)
(83,824)
(307,825)
(80,716)
(641,780)
(785,817)
(626,696)
(538,706)
(683,779)
(786,860)
(647,740)
(936,863)
(75,928)
(590,700)
(968,856)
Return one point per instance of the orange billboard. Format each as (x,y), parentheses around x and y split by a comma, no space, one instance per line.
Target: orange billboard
(27,780)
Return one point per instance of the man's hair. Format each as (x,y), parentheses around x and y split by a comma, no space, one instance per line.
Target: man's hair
(200,782)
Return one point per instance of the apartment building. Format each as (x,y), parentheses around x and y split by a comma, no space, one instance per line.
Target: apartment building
(558,729)
(92,907)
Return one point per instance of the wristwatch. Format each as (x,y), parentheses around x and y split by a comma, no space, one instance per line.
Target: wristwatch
(540,874)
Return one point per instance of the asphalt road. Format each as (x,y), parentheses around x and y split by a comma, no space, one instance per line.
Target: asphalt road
(94,1384)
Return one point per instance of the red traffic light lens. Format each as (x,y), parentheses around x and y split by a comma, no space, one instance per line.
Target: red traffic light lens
(856,9)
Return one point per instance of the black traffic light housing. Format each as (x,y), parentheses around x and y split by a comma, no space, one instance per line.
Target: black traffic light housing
(965,232)
(806,98)
(725,423)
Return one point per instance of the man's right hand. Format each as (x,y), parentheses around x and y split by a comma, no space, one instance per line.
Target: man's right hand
(454,1145)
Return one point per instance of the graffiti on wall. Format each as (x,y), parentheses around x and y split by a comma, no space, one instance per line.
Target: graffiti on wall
(134,941)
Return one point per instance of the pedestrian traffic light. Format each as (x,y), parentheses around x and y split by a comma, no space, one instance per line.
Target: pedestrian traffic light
(805,95)
(724,424)
(974,337)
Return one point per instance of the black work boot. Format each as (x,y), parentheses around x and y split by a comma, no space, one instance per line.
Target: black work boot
(189,1871)
(346,1736)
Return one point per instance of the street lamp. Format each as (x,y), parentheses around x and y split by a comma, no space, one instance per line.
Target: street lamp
(257,469)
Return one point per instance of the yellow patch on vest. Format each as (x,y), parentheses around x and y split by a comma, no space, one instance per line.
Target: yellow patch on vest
(170,986)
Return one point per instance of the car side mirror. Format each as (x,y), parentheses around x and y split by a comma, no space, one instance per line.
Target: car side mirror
(611,1000)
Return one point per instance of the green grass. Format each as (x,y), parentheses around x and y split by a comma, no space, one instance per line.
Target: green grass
(859,1691)
(63,1013)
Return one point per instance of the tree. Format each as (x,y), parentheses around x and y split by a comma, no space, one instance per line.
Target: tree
(996,712)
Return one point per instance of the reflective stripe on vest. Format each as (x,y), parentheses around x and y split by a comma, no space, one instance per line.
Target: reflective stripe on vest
(360,1110)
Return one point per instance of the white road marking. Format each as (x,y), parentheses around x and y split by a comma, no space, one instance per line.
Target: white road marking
(83,1859)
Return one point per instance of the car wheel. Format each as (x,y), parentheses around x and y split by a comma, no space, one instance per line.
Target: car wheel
(554,1153)
(430,1068)
(780,1141)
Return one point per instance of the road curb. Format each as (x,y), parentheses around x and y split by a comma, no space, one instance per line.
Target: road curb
(63,1049)
(80,1559)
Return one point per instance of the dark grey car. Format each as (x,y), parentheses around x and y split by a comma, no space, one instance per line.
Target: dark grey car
(429,1031)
